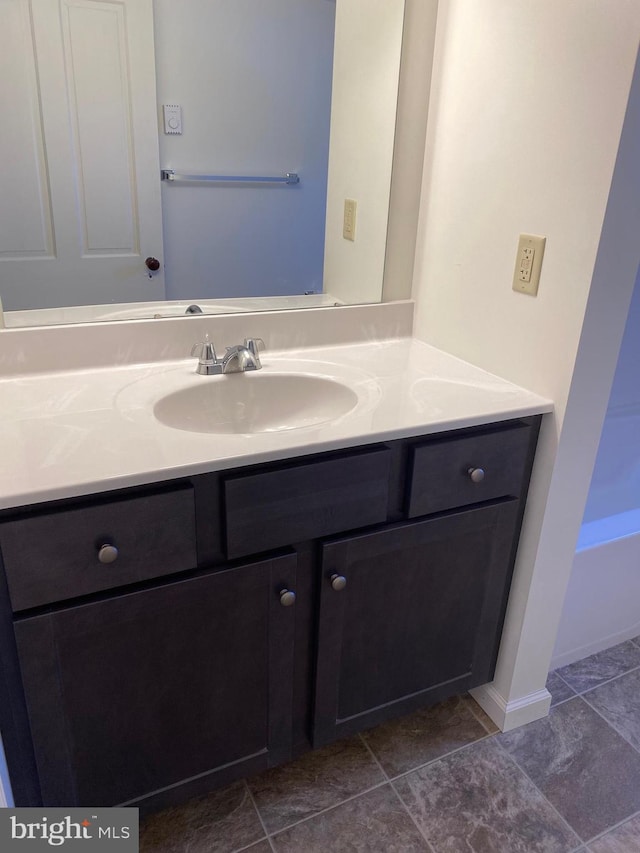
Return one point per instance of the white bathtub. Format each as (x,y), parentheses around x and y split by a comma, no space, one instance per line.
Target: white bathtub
(602,605)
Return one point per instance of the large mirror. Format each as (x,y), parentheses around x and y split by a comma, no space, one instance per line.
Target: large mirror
(107,95)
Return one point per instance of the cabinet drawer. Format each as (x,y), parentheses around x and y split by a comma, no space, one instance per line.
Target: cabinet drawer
(291,504)
(441,470)
(55,556)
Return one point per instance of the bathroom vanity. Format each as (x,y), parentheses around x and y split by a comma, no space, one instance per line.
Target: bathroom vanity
(163,637)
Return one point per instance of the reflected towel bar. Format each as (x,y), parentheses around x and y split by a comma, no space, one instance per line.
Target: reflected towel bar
(289,178)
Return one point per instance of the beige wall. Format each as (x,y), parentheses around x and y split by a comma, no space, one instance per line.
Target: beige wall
(366,64)
(527,106)
(418,38)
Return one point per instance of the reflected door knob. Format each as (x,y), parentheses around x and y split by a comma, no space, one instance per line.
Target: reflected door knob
(107,553)
(476,474)
(287,597)
(338,582)
(152,264)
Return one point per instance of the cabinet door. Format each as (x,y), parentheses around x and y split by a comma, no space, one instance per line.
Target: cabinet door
(132,695)
(418,619)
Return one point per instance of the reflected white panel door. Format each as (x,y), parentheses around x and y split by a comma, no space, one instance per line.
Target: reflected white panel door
(79,172)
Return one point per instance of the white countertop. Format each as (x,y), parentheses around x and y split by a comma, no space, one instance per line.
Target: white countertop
(79,432)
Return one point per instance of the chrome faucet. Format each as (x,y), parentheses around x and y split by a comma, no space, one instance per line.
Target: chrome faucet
(237,359)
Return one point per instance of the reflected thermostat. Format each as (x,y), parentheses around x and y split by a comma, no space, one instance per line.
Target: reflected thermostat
(172,118)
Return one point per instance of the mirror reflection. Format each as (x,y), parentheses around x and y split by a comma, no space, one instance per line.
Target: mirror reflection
(106,94)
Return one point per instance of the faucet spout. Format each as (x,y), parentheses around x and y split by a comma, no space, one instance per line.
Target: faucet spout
(238,359)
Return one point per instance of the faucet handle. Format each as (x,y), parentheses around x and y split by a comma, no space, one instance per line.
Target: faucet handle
(205,351)
(253,345)
(208,364)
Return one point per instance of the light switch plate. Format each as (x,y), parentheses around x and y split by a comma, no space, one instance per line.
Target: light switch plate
(349,221)
(526,276)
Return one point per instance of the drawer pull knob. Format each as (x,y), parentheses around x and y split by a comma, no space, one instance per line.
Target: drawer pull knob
(287,597)
(338,582)
(107,553)
(476,474)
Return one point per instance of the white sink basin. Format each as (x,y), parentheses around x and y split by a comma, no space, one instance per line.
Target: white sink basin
(255,403)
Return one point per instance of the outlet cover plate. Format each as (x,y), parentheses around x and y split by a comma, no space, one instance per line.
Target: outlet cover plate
(526,275)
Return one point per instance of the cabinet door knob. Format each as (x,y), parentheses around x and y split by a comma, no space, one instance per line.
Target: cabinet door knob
(338,582)
(476,474)
(287,597)
(107,553)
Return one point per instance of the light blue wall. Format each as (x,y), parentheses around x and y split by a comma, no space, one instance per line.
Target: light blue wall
(253,78)
(626,385)
(4,777)
(615,485)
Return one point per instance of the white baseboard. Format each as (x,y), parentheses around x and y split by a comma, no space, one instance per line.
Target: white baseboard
(591,648)
(517,712)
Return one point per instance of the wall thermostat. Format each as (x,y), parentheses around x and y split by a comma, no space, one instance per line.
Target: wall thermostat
(172,118)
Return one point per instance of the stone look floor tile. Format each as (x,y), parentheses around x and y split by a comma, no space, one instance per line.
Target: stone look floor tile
(468,801)
(624,839)
(375,822)
(619,703)
(559,689)
(221,822)
(479,800)
(405,744)
(601,667)
(584,768)
(316,781)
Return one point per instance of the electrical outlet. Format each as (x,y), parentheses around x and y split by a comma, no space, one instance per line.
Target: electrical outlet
(526,276)
(349,221)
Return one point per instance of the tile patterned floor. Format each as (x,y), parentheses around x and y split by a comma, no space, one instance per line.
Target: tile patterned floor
(443,780)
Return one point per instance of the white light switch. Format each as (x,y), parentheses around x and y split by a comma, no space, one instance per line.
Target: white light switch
(172,118)
(526,276)
(349,221)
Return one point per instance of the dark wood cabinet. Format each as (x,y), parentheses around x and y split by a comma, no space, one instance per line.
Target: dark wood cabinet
(55,555)
(442,470)
(295,503)
(408,615)
(250,615)
(139,692)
